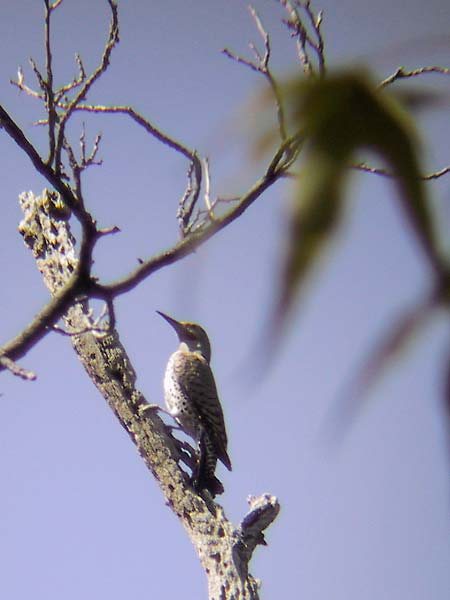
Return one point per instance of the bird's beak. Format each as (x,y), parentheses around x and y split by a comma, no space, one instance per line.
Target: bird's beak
(179,327)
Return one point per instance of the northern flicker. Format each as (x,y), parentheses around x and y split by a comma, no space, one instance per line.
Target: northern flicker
(191,398)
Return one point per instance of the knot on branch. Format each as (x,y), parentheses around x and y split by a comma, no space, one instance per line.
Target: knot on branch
(263,511)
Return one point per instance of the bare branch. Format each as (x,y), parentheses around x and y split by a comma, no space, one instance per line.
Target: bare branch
(7,363)
(191,194)
(58,94)
(45,170)
(76,81)
(188,200)
(88,160)
(402,73)
(48,85)
(38,75)
(385,173)
(108,230)
(262,66)
(208,189)
(305,39)
(20,84)
(239,59)
(62,298)
(263,511)
(140,120)
(38,328)
(81,278)
(82,283)
(75,168)
(113,39)
(193,240)
(205,228)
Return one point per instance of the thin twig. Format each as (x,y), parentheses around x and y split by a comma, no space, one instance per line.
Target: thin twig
(262,66)
(240,59)
(145,123)
(187,201)
(38,75)
(264,61)
(316,24)
(76,81)
(48,83)
(196,238)
(75,168)
(20,84)
(16,370)
(305,39)
(402,73)
(108,230)
(88,160)
(207,188)
(386,173)
(191,194)
(58,94)
(113,39)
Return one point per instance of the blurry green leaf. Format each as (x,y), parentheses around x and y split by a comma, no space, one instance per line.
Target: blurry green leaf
(415,99)
(394,341)
(338,116)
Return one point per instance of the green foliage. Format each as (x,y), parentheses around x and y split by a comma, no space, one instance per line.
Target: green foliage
(337,116)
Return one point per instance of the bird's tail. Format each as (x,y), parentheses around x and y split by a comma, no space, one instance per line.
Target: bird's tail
(204,476)
(207,482)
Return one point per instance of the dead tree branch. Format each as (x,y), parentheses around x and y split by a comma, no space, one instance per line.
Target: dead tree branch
(14,368)
(195,229)
(224,550)
(113,39)
(306,28)
(261,65)
(402,73)
(385,173)
(82,283)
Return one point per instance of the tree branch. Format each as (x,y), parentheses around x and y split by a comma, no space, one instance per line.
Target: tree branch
(82,282)
(224,550)
(385,173)
(14,368)
(186,245)
(261,65)
(402,73)
(308,37)
(14,131)
(113,39)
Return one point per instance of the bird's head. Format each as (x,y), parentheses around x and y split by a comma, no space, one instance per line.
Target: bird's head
(191,335)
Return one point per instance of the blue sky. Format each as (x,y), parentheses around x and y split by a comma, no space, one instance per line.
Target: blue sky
(80,514)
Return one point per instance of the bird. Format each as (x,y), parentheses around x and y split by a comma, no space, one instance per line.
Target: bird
(191,397)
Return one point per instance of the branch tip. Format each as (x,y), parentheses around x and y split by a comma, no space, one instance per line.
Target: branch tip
(15,369)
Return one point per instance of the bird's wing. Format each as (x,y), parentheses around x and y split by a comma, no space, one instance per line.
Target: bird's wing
(197,382)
